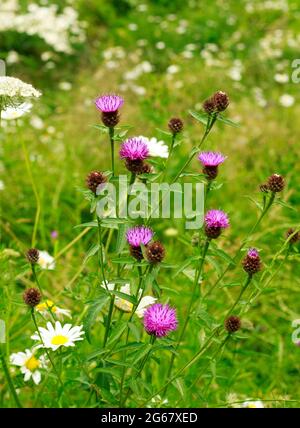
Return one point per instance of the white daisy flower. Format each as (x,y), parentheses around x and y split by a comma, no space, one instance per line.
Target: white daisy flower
(56,336)
(156,148)
(46,261)
(125,305)
(29,365)
(253,405)
(11,113)
(48,305)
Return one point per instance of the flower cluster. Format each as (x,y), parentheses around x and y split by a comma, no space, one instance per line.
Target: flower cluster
(13,92)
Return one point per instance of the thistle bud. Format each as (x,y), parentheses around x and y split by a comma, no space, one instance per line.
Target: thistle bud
(136,252)
(264,188)
(32,255)
(232,324)
(208,106)
(175,125)
(95,179)
(155,252)
(32,297)
(276,183)
(252,263)
(220,100)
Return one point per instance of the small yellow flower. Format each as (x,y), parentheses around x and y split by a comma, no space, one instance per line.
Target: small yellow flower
(48,306)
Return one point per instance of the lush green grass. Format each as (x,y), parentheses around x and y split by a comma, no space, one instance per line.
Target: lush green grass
(261,362)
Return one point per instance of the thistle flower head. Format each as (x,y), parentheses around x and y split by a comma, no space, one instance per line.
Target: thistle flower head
(252,263)
(159,320)
(208,106)
(32,297)
(32,255)
(216,218)
(232,324)
(276,183)
(211,158)
(214,222)
(220,100)
(109,103)
(134,149)
(175,125)
(155,252)
(94,180)
(139,235)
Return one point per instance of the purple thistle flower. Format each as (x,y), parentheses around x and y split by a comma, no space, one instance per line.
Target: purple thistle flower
(216,218)
(210,162)
(139,235)
(160,319)
(134,149)
(211,158)
(109,103)
(252,252)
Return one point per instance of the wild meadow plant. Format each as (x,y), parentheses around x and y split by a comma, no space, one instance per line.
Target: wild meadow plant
(129,322)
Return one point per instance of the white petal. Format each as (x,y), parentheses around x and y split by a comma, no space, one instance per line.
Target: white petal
(36,376)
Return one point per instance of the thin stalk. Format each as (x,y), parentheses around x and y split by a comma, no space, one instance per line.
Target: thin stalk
(100,252)
(236,257)
(243,289)
(46,350)
(8,377)
(35,192)
(169,157)
(192,300)
(192,361)
(109,317)
(112,148)
(36,280)
(145,359)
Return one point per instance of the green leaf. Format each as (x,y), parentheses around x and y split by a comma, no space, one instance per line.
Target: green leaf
(184,265)
(101,128)
(117,332)
(91,252)
(125,296)
(200,116)
(121,239)
(135,331)
(227,121)
(92,312)
(89,224)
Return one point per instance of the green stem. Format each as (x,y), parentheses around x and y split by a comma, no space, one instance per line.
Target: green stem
(100,253)
(36,280)
(193,360)
(46,350)
(243,289)
(112,148)
(170,154)
(192,300)
(109,317)
(36,195)
(9,380)
(236,257)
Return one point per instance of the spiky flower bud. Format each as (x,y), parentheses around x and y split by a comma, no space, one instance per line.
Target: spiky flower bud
(32,255)
(295,238)
(95,179)
(155,252)
(220,100)
(276,183)
(232,324)
(136,252)
(209,106)
(252,263)
(146,168)
(264,188)
(175,125)
(32,297)
(136,166)
(110,119)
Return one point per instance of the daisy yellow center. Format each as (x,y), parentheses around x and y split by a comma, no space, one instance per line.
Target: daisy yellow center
(48,305)
(59,340)
(124,305)
(251,406)
(32,363)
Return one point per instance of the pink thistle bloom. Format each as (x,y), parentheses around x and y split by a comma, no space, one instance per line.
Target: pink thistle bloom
(159,320)
(139,235)
(211,158)
(253,253)
(134,149)
(109,103)
(216,219)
